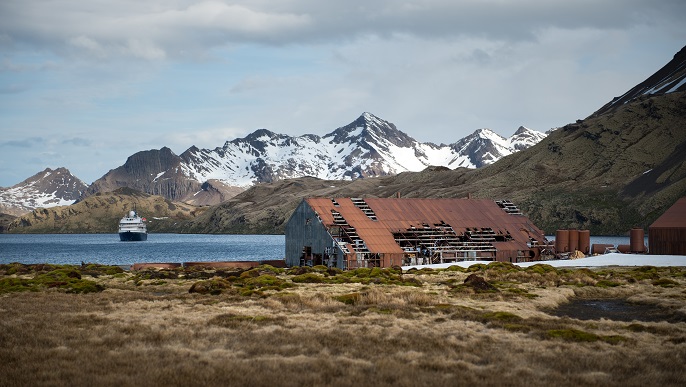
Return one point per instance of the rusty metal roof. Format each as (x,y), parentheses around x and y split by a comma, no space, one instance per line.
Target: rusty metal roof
(674,217)
(400,214)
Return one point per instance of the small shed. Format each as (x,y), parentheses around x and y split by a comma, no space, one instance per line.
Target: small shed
(667,235)
(381,232)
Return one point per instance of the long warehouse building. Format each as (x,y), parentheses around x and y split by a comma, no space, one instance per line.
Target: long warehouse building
(382,232)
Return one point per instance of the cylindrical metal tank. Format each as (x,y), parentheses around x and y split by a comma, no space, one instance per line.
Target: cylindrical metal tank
(562,241)
(625,249)
(637,240)
(599,248)
(585,241)
(573,240)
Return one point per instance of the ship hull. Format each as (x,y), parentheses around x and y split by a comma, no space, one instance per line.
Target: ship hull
(129,236)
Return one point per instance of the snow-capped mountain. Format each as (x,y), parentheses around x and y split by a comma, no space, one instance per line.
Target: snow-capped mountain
(524,138)
(484,147)
(367,147)
(45,189)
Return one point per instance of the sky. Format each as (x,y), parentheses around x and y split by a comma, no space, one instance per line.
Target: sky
(85,84)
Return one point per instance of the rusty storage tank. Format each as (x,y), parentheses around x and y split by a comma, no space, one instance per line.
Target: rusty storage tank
(585,241)
(625,249)
(573,240)
(562,241)
(599,248)
(637,240)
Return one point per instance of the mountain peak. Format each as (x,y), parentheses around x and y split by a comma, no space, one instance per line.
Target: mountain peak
(47,188)
(368,129)
(258,134)
(58,174)
(525,138)
(369,116)
(367,120)
(487,133)
(522,130)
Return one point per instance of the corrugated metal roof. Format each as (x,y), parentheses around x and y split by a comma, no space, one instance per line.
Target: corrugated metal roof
(399,214)
(674,217)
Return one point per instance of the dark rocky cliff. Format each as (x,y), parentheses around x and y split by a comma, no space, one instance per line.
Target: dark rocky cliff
(156,172)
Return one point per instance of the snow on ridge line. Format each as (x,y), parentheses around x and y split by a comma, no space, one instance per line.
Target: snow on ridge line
(678,85)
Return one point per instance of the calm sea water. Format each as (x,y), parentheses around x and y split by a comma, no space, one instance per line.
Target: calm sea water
(108,250)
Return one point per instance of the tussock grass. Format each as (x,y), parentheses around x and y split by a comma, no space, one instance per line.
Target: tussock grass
(263,328)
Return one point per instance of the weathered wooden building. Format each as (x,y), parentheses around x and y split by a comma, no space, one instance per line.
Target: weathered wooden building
(352,232)
(667,235)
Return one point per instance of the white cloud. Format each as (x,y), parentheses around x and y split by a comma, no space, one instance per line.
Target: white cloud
(144,50)
(89,45)
(232,18)
(183,26)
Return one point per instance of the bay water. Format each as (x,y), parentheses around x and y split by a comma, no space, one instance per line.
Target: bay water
(106,249)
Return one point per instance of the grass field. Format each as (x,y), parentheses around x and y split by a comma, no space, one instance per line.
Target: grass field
(490,325)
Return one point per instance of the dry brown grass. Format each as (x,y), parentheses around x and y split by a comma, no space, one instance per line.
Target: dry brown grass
(153,332)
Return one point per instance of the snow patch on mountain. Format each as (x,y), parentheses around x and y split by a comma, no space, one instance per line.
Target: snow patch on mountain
(49,188)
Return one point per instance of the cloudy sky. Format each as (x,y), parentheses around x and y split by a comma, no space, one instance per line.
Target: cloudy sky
(85,84)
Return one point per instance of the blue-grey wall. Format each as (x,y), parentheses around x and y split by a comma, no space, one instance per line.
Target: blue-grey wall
(304,228)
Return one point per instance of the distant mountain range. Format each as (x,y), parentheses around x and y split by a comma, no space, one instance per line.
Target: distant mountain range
(367,147)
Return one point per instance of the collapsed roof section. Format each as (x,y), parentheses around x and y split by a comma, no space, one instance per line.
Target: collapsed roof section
(437,229)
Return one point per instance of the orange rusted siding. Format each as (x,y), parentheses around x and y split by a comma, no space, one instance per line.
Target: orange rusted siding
(667,235)
(362,232)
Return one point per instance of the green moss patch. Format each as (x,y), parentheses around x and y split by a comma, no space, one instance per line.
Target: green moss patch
(577,335)
(349,299)
(501,316)
(266,282)
(363,275)
(541,268)
(9,285)
(65,278)
(309,278)
(572,335)
(665,283)
(213,287)
(607,284)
